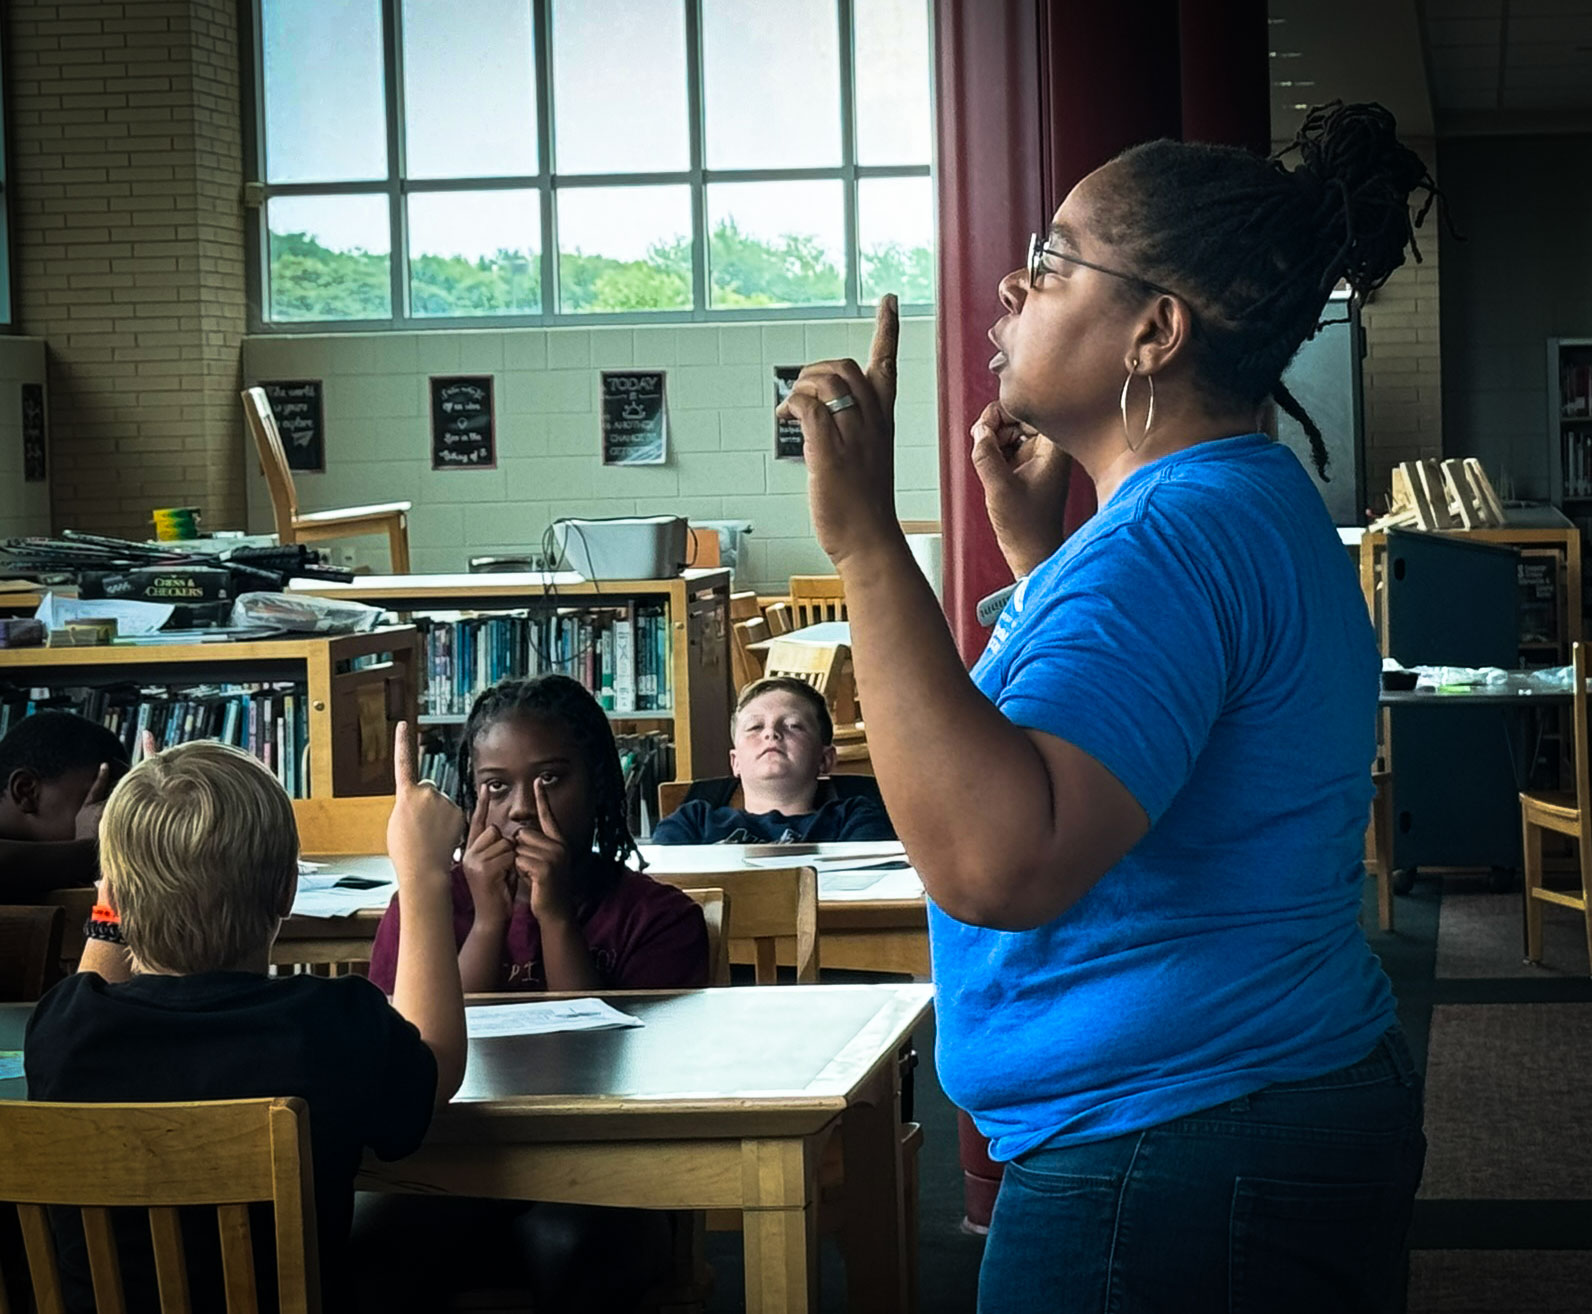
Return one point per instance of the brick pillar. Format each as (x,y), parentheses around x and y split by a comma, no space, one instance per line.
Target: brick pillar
(128,240)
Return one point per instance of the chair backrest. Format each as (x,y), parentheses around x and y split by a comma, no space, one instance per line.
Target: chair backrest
(30,951)
(825,666)
(77,901)
(780,618)
(228,1154)
(746,663)
(744,606)
(703,548)
(715,905)
(817,598)
(273,460)
(343,825)
(771,904)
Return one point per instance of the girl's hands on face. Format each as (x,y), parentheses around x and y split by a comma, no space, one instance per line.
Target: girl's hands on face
(850,453)
(488,863)
(542,859)
(1025,478)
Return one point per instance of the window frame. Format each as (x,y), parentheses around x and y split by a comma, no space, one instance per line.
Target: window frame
(547,183)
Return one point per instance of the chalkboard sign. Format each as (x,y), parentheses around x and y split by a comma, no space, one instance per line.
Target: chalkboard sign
(300,417)
(787,433)
(635,421)
(462,436)
(34,467)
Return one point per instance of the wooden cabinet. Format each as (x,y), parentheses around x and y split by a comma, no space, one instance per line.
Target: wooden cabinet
(695,610)
(354,687)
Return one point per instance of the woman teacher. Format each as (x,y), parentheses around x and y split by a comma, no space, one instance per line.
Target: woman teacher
(1140,820)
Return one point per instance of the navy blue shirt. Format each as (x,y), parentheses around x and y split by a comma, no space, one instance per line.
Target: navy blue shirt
(699,822)
(1203,638)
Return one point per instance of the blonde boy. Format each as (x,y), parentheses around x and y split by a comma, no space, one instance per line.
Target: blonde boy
(200,855)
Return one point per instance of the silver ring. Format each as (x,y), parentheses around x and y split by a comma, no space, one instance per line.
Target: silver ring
(844,402)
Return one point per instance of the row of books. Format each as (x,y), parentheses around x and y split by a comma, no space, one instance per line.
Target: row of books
(269,721)
(1578,462)
(620,653)
(1575,390)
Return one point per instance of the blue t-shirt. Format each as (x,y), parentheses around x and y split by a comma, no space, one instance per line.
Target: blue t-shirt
(1203,638)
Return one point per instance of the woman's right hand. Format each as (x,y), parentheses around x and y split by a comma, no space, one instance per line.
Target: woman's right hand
(1025,478)
(488,864)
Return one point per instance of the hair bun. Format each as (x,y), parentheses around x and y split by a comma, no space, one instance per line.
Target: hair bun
(1362,176)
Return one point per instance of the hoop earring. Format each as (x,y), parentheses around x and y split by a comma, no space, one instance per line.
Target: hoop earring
(1122,403)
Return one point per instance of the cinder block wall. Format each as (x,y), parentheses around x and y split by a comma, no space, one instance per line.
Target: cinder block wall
(127,225)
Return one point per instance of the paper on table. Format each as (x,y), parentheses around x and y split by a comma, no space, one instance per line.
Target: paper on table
(10,1064)
(838,886)
(878,855)
(131,617)
(336,902)
(541,1019)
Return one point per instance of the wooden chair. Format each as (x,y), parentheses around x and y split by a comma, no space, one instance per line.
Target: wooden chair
(77,901)
(30,951)
(744,606)
(746,662)
(780,618)
(1379,846)
(715,905)
(1566,814)
(825,666)
(771,904)
(343,825)
(817,598)
(292,526)
(228,1154)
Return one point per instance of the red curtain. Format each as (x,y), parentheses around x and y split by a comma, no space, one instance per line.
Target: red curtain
(1030,96)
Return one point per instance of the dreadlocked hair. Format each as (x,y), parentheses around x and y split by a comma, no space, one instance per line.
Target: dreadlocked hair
(567,702)
(1256,248)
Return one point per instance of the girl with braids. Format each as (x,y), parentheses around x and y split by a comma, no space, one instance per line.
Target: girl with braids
(542,899)
(1139,822)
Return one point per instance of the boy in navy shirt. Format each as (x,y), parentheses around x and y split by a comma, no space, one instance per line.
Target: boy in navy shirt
(784,741)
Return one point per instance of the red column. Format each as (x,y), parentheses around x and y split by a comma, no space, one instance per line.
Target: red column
(1030,96)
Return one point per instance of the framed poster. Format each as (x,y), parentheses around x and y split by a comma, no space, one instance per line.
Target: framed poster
(787,433)
(635,421)
(300,412)
(35,465)
(463,435)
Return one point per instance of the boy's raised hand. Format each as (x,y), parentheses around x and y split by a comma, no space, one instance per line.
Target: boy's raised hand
(425,825)
(542,859)
(488,863)
(92,808)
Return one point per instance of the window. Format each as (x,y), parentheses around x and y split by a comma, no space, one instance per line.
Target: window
(573,161)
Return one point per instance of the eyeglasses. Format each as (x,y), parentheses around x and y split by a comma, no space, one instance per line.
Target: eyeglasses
(1037,250)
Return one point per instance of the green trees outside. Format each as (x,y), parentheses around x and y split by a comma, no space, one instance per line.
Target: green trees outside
(310,281)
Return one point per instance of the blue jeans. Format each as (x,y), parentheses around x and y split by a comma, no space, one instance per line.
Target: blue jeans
(1292,1200)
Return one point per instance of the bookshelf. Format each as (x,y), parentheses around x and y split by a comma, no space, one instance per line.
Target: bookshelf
(1570,426)
(354,689)
(694,670)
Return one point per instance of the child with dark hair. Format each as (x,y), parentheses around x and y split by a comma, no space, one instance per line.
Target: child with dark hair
(542,899)
(784,743)
(56,770)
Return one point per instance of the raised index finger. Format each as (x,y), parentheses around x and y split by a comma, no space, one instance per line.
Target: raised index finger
(478,817)
(544,814)
(882,355)
(101,786)
(403,758)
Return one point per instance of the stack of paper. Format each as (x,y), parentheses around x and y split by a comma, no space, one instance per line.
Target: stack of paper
(541,1019)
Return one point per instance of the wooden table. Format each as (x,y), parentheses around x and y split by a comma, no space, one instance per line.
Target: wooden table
(722,1100)
(867,935)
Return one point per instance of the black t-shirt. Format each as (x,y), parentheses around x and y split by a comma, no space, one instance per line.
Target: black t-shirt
(368,1078)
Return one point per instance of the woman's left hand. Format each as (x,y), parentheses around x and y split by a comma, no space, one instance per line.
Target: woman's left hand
(850,452)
